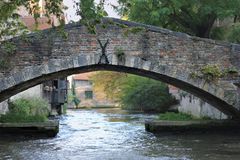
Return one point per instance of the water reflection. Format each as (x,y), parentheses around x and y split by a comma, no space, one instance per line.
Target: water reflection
(116,134)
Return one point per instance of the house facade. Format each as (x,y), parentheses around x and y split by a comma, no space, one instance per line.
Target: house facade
(86,94)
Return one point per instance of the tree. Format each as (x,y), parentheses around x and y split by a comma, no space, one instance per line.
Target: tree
(145,94)
(233,35)
(195,17)
(110,83)
(9,19)
(72,97)
(90,12)
(134,92)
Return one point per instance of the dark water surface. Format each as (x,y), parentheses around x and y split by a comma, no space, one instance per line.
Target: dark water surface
(112,134)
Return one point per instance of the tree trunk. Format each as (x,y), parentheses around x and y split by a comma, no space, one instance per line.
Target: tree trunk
(205,28)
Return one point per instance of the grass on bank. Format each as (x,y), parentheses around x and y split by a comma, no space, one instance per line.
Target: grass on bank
(171,116)
(25,110)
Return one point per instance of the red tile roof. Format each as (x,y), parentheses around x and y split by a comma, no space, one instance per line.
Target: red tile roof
(83,76)
(29,22)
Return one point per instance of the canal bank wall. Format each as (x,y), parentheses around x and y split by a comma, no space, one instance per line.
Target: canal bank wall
(194,126)
(194,106)
(3,107)
(49,128)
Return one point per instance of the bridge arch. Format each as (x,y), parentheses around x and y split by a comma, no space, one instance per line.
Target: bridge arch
(170,57)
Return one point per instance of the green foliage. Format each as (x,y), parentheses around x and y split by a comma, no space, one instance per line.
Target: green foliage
(194,17)
(194,75)
(211,72)
(91,13)
(145,94)
(232,70)
(72,97)
(134,92)
(219,33)
(110,83)
(25,38)
(76,101)
(65,108)
(4,64)
(18,118)
(234,34)
(26,110)
(229,32)
(9,19)
(170,116)
(121,25)
(9,47)
(134,30)
(120,54)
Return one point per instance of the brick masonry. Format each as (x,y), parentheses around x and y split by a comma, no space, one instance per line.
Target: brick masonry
(153,52)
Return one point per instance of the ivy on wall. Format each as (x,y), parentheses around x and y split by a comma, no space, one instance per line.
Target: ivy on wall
(212,73)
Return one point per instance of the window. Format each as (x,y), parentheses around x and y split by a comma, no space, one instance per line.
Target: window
(88,94)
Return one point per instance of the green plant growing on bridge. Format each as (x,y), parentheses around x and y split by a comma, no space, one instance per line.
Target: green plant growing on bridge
(111,22)
(194,75)
(61,31)
(8,47)
(134,30)
(211,72)
(121,25)
(26,110)
(25,38)
(120,55)
(231,71)
(38,35)
(4,63)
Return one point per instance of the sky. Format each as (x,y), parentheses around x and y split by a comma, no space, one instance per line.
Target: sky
(70,13)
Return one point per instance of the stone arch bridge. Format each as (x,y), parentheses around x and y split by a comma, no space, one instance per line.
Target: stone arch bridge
(171,57)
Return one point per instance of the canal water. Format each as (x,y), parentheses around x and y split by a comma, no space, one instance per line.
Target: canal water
(113,134)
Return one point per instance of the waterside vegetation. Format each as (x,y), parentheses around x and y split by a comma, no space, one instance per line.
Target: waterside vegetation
(26,110)
(171,116)
(134,92)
